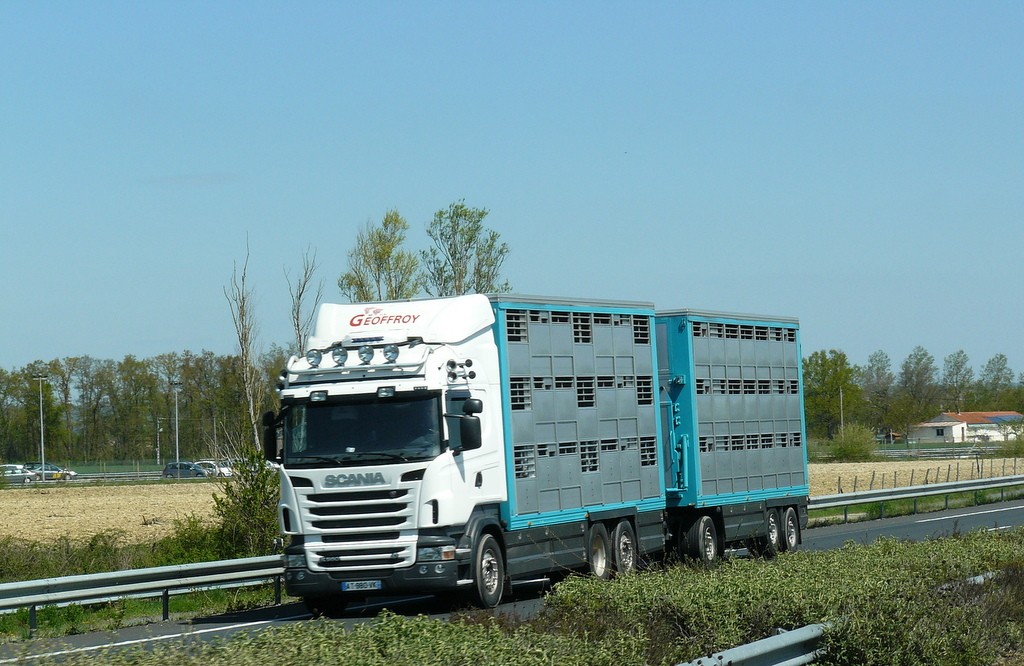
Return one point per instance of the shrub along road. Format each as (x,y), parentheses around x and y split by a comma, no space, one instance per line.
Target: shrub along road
(528,604)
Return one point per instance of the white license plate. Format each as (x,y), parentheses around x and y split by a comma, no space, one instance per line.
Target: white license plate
(360,585)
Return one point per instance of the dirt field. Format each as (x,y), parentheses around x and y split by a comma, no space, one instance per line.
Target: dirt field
(147,512)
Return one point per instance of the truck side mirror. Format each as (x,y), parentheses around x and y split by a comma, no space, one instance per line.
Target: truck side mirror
(270,436)
(470,436)
(469,432)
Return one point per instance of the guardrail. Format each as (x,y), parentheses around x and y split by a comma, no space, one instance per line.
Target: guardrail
(799,646)
(151,582)
(914,492)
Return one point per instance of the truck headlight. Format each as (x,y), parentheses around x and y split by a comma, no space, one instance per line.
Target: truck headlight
(295,561)
(435,554)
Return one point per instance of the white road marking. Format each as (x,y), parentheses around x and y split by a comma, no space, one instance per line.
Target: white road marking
(153,639)
(965,515)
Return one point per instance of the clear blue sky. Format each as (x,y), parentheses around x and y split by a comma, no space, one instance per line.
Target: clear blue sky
(857,165)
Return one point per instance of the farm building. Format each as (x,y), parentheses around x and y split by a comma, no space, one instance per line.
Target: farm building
(951,427)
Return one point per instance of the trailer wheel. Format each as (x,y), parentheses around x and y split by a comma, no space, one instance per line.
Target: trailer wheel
(488,571)
(770,543)
(624,548)
(702,540)
(331,607)
(790,529)
(599,551)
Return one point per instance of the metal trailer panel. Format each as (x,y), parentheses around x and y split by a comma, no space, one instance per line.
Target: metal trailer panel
(579,403)
(732,398)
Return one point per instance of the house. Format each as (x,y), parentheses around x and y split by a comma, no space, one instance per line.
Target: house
(955,427)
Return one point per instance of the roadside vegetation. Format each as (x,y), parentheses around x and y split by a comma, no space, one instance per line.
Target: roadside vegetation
(889,603)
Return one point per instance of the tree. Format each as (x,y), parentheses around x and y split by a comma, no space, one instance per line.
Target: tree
(240,298)
(829,391)
(995,383)
(466,257)
(876,381)
(917,390)
(302,315)
(957,378)
(378,269)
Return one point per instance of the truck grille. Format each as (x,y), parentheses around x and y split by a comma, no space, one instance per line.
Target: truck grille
(359,530)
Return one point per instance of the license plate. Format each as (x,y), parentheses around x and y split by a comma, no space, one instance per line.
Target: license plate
(360,585)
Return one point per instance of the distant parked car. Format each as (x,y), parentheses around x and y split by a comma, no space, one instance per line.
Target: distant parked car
(183,470)
(215,468)
(17,474)
(52,472)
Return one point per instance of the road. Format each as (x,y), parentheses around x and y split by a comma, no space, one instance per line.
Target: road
(526,601)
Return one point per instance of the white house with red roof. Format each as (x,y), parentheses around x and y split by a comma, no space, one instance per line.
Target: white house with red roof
(953,427)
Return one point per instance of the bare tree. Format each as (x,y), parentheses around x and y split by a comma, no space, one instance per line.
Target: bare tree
(302,317)
(240,299)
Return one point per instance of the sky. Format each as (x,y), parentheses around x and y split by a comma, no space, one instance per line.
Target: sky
(859,166)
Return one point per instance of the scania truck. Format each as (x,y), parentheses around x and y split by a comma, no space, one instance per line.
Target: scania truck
(462,444)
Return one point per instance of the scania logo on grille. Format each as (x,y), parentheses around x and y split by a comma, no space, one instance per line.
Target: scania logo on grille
(348,480)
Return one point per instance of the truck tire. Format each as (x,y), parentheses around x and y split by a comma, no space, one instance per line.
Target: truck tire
(702,540)
(790,529)
(599,551)
(624,549)
(488,571)
(331,607)
(770,543)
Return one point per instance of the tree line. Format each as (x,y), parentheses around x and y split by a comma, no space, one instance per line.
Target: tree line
(889,400)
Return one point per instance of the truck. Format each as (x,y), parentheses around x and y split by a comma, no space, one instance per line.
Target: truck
(463,444)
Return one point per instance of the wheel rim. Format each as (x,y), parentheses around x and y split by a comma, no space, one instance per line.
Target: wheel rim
(626,553)
(598,556)
(489,571)
(710,549)
(773,529)
(790,530)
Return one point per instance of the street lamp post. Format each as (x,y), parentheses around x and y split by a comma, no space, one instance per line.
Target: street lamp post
(159,429)
(177,454)
(42,432)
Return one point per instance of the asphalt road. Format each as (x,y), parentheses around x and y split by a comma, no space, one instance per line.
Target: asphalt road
(526,600)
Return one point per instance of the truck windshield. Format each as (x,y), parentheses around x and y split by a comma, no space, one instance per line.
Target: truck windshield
(356,431)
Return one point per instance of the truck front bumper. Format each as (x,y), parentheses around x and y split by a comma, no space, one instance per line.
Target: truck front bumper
(426,577)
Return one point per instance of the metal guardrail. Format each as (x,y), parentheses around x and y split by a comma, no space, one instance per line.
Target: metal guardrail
(914,492)
(789,648)
(151,582)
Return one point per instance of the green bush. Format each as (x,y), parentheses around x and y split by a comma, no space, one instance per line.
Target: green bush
(854,443)
(247,508)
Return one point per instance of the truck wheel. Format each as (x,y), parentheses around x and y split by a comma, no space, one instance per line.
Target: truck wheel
(599,552)
(488,571)
(790,529)
(770,543)
(624,548)
(331,607)
(702,540)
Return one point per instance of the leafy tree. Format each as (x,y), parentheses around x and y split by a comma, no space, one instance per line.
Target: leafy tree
(957,378)
(995,383)
(917,389)
(877,382)
(466,257)
(378,269)
(829,391)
